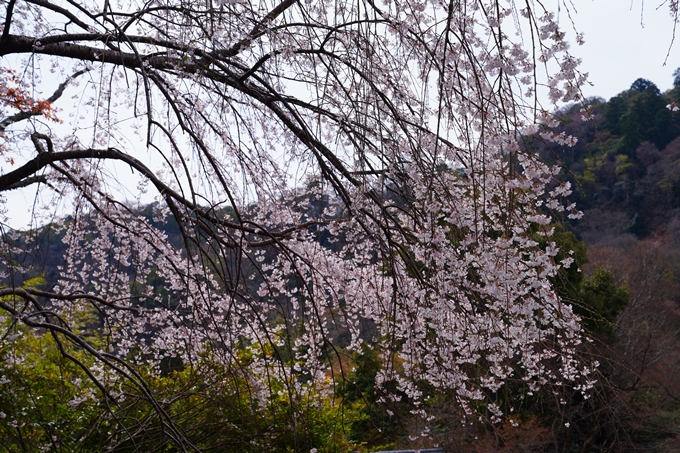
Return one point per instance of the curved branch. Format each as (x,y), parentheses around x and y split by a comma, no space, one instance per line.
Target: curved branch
(43,159)
(25,292)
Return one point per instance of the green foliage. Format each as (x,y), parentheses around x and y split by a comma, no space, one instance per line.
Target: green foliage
(644,86)
(623,164)
(219,410)
(638,115)
(593,164)
(375,428)
(45,401)
(48,403)
(568,280)
(597,299)
(601,301)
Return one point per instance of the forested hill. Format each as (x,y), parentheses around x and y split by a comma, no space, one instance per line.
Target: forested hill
(625,168)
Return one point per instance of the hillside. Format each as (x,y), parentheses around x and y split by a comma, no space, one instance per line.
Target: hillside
(625,167)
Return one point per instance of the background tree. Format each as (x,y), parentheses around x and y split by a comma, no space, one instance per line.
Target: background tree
(339,174)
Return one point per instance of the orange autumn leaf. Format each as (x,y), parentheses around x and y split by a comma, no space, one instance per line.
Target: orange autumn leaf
(14,94)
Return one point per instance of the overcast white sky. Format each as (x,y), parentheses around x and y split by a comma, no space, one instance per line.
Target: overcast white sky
(619,48)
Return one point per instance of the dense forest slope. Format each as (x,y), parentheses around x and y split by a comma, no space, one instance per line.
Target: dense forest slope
(625,172)
(625,167)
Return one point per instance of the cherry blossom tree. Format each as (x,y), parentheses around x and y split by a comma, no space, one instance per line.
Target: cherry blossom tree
(340,173)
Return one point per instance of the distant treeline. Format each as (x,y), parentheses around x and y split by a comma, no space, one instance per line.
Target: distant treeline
(625,167)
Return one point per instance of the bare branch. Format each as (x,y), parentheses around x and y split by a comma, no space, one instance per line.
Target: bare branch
(8,19)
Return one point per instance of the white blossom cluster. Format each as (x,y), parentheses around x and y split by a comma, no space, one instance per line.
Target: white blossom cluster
(337,173)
